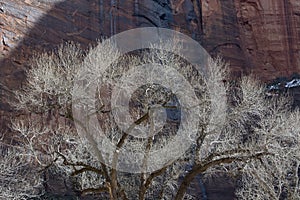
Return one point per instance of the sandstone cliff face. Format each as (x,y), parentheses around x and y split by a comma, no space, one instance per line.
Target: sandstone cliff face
(260,36)
(270,35)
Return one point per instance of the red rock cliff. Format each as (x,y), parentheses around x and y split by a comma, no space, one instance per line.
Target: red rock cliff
(260,36)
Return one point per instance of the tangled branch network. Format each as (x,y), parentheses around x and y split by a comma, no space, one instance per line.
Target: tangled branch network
(156,104)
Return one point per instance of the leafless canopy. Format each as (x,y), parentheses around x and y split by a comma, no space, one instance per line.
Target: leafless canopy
(258,140)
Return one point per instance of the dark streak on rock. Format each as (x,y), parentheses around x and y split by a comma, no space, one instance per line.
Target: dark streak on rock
(226,44)
(145,17)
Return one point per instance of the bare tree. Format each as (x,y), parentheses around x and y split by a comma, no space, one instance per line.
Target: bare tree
(258,139)
(15,179)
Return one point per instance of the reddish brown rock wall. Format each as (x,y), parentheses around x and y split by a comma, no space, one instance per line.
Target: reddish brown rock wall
(260,36)
(270,35)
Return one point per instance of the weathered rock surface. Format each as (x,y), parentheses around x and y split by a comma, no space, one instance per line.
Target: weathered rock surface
(260,36)
(270,35)
(28,26)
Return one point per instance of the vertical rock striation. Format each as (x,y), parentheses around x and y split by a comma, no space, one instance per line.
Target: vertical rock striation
(260,36)
(270,31)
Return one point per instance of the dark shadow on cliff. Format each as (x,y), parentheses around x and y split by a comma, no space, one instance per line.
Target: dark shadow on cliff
(85,21)
(66,21)
(80,21)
